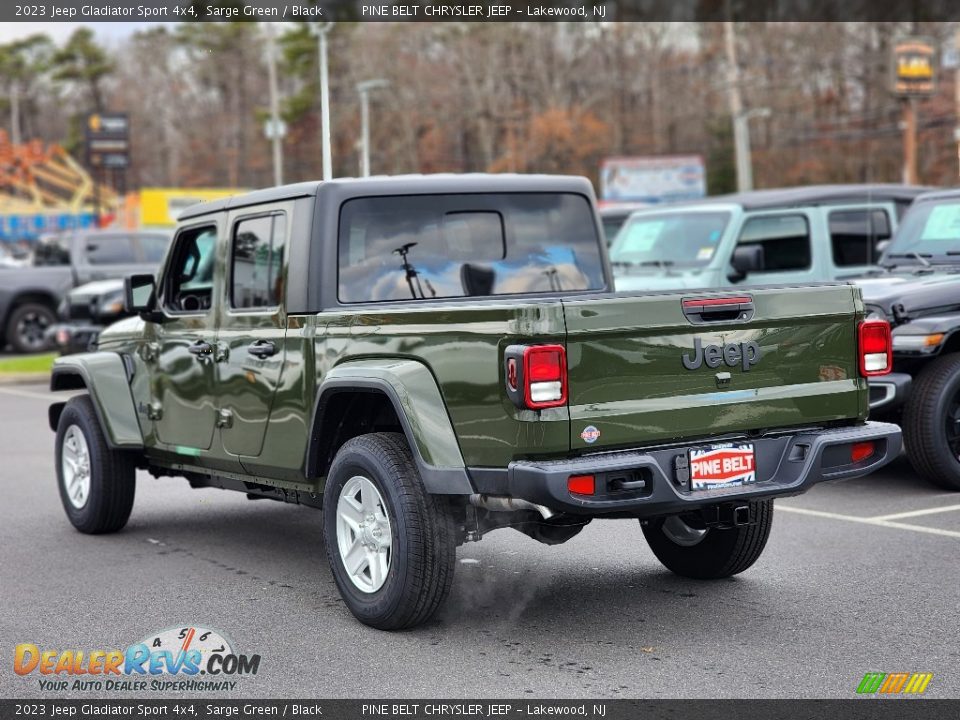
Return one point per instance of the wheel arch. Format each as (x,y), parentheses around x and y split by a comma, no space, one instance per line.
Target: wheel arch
(104,376)
(400,395)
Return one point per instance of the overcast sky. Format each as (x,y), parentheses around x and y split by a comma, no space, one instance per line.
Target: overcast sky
(108,32)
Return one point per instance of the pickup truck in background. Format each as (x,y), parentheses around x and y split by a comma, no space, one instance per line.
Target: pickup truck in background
(431,358)
(29,296)
(793,235)
(917,289)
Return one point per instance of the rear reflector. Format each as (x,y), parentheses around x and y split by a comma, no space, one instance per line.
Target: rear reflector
(876,348)
(862,450)
(581,484)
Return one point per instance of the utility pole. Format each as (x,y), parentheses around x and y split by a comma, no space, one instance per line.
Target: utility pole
(740,128)
(276,128)
(15,112)
(909,124)
(364,89)
(321,30)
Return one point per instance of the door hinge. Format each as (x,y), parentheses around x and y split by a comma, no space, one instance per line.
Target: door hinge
(149,352)
(225,419)
(154,411)
(221,353)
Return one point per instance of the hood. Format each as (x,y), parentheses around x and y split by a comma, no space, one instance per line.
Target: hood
(121,331)
(95,289)
(653,280)
(919,293)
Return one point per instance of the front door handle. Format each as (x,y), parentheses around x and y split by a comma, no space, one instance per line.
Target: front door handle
(262,349)
(201,348)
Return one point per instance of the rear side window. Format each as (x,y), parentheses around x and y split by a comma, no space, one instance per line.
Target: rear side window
(110,250)
(449,246)
(855,234)
(256,269)
(785,240)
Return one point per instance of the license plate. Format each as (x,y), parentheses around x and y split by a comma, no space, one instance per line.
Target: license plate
(722,465)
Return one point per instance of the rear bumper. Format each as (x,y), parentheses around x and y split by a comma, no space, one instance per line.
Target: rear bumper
(786,465)
(888,392)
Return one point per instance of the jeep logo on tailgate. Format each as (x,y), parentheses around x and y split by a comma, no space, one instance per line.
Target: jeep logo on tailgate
(746,355)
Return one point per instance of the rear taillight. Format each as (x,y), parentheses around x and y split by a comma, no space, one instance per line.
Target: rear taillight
(876,348)
(536,375)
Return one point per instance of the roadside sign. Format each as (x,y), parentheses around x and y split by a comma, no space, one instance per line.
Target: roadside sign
(914,67)
(108,140)
(656,179)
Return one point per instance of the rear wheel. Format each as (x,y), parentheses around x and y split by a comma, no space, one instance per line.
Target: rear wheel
(27,327)
(692,550)
(97,483)
(931,423)
(390,544)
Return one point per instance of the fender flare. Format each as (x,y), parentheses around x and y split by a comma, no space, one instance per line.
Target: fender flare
(104,376)
(411,389)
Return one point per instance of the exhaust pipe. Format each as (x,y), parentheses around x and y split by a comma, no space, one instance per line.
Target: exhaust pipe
(496,503)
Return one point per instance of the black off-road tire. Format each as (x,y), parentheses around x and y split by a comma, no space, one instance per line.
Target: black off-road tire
(423,544)
(720,553)
(41,316)
(112,473)
(925,422)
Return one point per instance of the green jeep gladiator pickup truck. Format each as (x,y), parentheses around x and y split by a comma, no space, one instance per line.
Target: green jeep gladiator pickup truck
(430,358)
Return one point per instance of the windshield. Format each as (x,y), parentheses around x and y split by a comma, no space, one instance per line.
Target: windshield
(929,230)
(674,238)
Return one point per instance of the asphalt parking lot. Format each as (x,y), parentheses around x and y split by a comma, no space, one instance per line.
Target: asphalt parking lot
(858,576)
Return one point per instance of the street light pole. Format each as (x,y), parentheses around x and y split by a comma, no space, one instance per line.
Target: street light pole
(321,30)
(744,159)
(364,89)
(276,135)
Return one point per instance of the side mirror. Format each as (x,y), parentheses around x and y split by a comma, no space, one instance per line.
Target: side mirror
(746,259)
(140,296)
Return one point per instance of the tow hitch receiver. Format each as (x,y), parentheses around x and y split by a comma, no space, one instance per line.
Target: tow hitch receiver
(727,516)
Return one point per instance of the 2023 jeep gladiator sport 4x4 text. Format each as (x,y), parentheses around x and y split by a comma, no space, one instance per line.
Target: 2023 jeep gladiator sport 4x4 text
(428,359)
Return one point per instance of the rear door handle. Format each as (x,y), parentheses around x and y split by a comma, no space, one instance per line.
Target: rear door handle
(262,349)
(201,348)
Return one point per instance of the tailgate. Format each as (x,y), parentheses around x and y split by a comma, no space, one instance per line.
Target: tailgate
(778,357)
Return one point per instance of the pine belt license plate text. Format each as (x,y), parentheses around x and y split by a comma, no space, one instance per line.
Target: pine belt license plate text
(724,465)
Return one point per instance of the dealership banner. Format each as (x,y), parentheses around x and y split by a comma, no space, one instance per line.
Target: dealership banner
(471,10)
(421,709)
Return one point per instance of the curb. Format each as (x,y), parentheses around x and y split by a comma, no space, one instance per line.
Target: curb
(31,378)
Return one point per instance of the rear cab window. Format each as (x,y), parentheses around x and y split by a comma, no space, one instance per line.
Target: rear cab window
(476,245)
(855,235)
(110,250)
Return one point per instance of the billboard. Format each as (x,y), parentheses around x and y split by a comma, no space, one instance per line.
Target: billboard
(160,207)
(657,179)
(31,225)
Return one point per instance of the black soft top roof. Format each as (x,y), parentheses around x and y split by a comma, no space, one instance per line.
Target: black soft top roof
(819,195)
(947,194)
(400,185)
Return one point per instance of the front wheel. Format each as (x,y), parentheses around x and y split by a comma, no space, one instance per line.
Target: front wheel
(692,550)
(97,483)
(931,423)
(390,544)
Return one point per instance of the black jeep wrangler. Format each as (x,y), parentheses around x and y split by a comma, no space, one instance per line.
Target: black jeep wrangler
(918,291)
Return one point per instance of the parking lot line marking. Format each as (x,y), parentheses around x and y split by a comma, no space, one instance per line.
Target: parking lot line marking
(918,513)
(26,393)
(871,521)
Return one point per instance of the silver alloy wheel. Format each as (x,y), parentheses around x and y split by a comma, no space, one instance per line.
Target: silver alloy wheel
(364,535)
(75,466)
(678,532)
